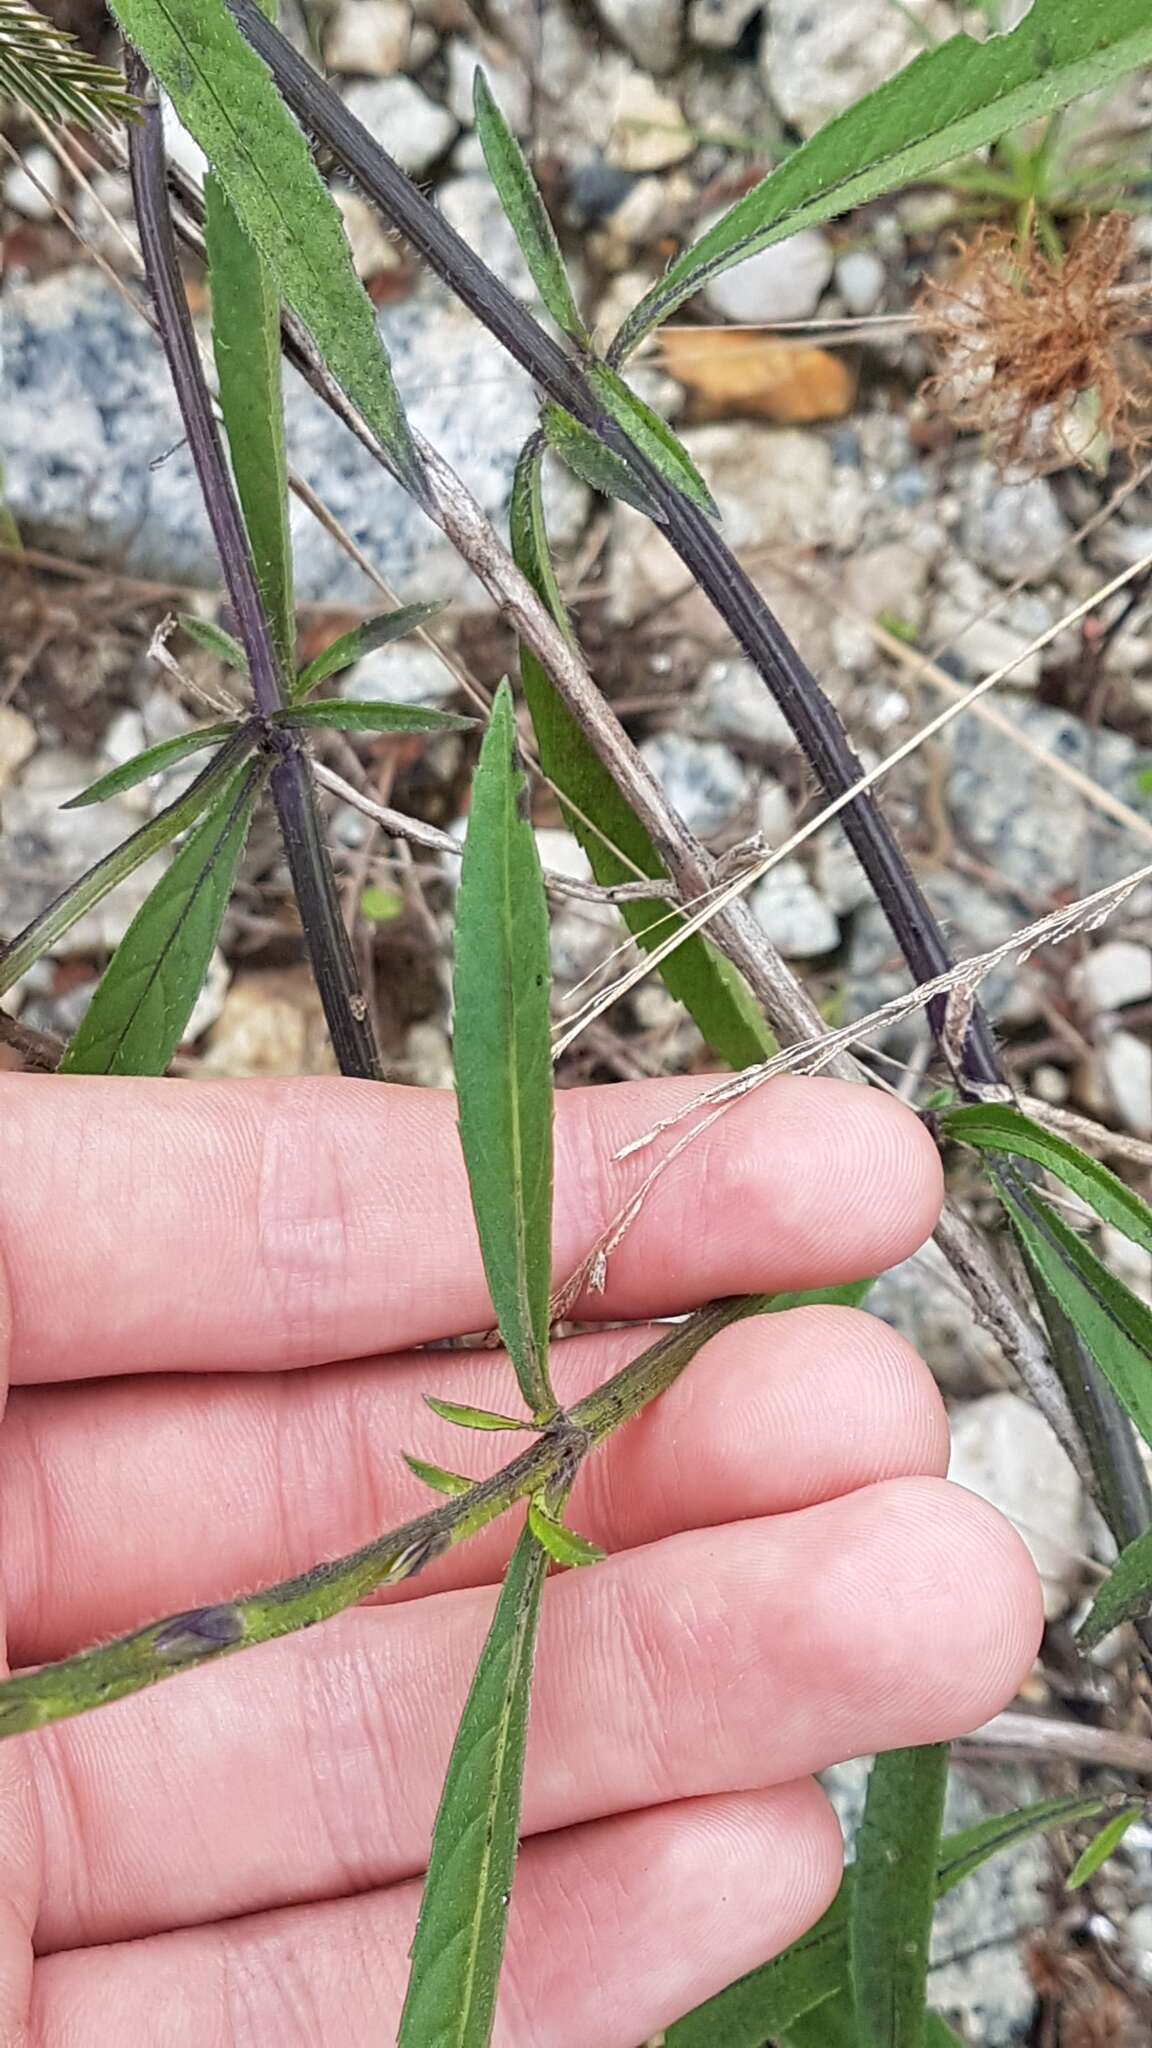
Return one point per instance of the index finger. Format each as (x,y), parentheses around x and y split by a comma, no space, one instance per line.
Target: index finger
(200,1226)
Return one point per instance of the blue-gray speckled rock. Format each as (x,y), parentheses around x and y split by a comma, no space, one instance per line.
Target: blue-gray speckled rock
(94,463)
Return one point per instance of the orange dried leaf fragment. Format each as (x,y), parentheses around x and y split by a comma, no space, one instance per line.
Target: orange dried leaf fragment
(732,374)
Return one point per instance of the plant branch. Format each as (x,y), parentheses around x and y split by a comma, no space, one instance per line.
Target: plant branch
(181,1642)
(345,1007)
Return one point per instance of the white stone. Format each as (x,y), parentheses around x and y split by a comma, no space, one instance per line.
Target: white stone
(1127,1062)
(700,778)
(1118,972)
(781,283)
(1014,529)
(793,914)
(648,128)
(891,579)
(22,183)
(209,1003)
(405,673)
(648,29)
(17,743)
(732,701)
(369,37)
(1003,1450)
(507,82)
(819,59)
(719,24)
(775,817)
(373,249)
(430,1054)
(860,281)
(412,128)
(182,148)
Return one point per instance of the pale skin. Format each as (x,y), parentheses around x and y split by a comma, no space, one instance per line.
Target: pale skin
(233,1859)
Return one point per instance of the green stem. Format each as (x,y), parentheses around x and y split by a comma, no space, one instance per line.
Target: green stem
(180,1642)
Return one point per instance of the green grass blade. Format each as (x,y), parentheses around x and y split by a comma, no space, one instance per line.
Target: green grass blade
(1126,1594)
(44,68)
(894,1894)
(246,346)
(946,103)
(1101,1847)
(152,761)
(1110,1320)
(593,463)
(75,902)
(459,1942)
(147,992)
(527,214)
(503,1055)
(226,99)
(223,645)
(696,974)
(351,714)
(351,647)
(651,434)
(769,2002)
(995,1127)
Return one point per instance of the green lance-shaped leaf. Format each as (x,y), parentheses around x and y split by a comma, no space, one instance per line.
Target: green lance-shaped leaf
(944,104)
(437,1476)
(696,974)
(651,434)
(769,2002)
(351,714)
(246,346)
(527,214)
(350,647)
(1126,1594)
(997,1128)
(466,1417)
(564,1545)
(1101,1847)
(206,634)
(593,463)
(147,992)
(152,761)
(226,98)
(502,1052)
(1114,1325)
(938,2034)
(459,1944)
(73,903)
(894,1893)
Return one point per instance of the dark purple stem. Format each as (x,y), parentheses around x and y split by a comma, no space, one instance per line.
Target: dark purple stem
(293,791)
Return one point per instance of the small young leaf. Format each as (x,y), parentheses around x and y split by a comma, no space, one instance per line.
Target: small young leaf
(351,647)
(225,97)
(894,1893)
(503,1054)
(946,103)
(437,1476)
(593,463)
(1099,1849)
(353,714)
(696,974)
(1111,1321)
(563,1545)
(146,995)
(215,639)
(246,347)
(152,761)
(1125,1595)
(767,2003)
(994,1127)
(459,1944)
(652,434)
(472,1418)
(82,896)
(527,214)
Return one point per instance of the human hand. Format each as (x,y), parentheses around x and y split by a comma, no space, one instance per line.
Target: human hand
(235,1857)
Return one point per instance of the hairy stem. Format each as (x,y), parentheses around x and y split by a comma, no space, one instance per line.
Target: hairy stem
(293,793)
(200,1635)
